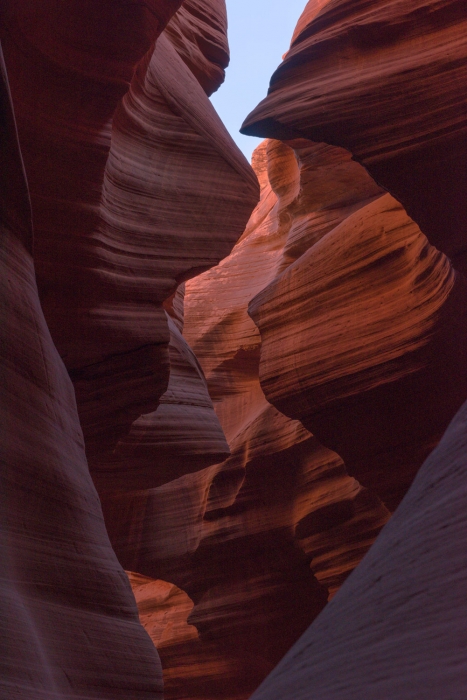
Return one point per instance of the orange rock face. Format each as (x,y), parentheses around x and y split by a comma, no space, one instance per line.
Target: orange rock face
(63,594)
(345,81)
(361,342)
(385,81)
(238,537)
(355,315)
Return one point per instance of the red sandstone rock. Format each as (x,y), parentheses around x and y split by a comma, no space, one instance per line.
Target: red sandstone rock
(69,626)
(238,537)
(198,32)
(396,629)
(361,342)
(107,252)
(183,435)
(163,610)
(386,81)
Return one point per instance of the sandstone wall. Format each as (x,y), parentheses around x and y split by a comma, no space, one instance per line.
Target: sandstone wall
(64,594)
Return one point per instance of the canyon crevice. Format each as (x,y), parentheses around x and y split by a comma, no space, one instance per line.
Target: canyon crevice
(233,408)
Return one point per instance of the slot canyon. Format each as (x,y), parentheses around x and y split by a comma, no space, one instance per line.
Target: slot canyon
(234,396)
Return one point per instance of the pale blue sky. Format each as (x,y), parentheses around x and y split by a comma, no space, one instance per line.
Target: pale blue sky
(259,33)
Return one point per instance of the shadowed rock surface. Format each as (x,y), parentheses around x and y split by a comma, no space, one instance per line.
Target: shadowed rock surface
(64,595)
(396,629)
(135,186)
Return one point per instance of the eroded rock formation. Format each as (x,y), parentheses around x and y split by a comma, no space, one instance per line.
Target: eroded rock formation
(327,262)
(135,186)
(396,629)
(110,126)
(358,59)
(64,596)
(241,479)
(385,80)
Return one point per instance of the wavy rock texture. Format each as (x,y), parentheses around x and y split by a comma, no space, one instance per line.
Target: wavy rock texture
(384,80)
(300,200)
(107,252)
(135,187)
(329,261)
(64,595)
(361,341)
(397,626)
(183,435)
(198,32)
(238,537)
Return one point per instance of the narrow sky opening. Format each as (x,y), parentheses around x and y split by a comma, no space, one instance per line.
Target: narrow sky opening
(259,33)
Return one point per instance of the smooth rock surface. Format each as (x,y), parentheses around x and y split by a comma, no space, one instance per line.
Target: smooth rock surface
(105,143)
(69,624)
(364,341)
(183,435)
(385,80)
(396,629)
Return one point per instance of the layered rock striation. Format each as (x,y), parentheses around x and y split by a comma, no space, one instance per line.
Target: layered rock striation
(111,125)
(337,278)
(361,341)
(397,626)
(64,594)
(385,81)
(132,177)
(249,429)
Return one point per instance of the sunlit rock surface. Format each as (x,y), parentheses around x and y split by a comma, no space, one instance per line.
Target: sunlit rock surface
(238,537)
(69,625)
(386,80)
(361,341)
(339,278)
(387,308)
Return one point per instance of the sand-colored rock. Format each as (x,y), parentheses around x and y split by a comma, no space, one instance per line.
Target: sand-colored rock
(386,81)
(127,163)
(396,629)
(69,626)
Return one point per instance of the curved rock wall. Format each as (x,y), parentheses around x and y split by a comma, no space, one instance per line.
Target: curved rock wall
(340,279)
(111,126)
(396,629)
(328,346)
(127,162)
(386,81)
(198,32)
(63,594)
(239,537)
